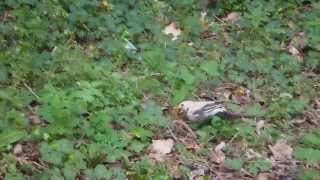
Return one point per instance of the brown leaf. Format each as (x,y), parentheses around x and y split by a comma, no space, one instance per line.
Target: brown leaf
(173,30)
(162,146)
(281,150)
(220,146)
(197,174)
(17,149)
(217,155)
(35,120)
(159,148)
(262,176)
(299,41)
(259,126)
(294,52)
(232,17)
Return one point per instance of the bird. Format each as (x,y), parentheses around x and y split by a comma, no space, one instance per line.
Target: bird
(202,111)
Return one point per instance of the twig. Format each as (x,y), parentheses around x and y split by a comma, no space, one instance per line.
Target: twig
(233,138)
(220,20)
(187,127)
(31,91)
(172,135)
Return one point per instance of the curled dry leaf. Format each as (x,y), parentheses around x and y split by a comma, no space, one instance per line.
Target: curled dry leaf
(262,176)
(217,155)
(173,30)
(251,154)
(162,146)
(281,150)
(197,174)
(17,149)
(232,17)
(299,41)
(203,16)
(220,146)
(159,148)
(294,52)
(259,126)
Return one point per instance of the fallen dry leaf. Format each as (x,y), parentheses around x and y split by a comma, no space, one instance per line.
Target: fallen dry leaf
(220,146)
(217,155)
(197,174)
(159,148)
(162,146)
(173,30)
(251,154)
(299,41)
(232,17)
(259,126)
(294,52)
(262,176)
(281,150)
(17,149)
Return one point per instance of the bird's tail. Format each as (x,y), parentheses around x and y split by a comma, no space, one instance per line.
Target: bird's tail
(231,115)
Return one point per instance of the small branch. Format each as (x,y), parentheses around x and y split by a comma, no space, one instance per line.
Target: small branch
(187,127)
(220,20)
(31,91)
(233,138)
(172,135)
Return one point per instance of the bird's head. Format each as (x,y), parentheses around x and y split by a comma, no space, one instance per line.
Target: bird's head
(184,106)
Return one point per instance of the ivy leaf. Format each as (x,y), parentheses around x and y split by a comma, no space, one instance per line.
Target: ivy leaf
(255,110)
(309,174)
(311,139)
(309,155)
(179,94)
(260,165)
(11,136)
(235,164)
(211,67)
(137,146)
(141,133)
(101,172)
(187,76)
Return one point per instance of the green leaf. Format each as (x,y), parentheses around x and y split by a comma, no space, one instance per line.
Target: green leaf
(255,110)
(309,155)
(235,164)
(141,133)
(259,165)
(192,25)
(211,67)
(63,145)
(179,95)
(187,76)
(11,136)
(137,146)
(309,175)
(101,172)
(311,139)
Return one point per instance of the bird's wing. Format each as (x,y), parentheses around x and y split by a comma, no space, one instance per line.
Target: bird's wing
(210,107)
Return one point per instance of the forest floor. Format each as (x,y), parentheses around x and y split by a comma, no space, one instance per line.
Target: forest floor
(89,89)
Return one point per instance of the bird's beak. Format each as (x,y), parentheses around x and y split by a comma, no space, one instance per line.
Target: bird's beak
(178,110)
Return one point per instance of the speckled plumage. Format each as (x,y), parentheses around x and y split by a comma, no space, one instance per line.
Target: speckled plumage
(199,111)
